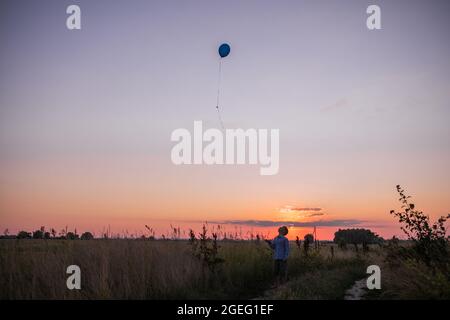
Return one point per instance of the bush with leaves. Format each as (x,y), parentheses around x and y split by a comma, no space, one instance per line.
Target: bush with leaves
(430,243)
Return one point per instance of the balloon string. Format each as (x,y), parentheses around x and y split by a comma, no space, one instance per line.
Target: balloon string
(218,94)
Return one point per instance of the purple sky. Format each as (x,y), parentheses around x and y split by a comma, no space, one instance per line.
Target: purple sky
(86,116)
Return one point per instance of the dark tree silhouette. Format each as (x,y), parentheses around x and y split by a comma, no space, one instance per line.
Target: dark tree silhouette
(71,236)
(87,236)
(24,235)
(355,237)
(38,234)
(308,240)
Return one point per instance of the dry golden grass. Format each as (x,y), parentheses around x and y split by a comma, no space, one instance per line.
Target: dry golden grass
(137,269)
(36,269)
(145,269)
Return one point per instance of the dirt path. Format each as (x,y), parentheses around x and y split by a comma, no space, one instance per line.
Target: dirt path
(266,294)
(357,291)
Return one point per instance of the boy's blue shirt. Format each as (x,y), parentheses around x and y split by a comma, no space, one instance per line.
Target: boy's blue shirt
(280,245)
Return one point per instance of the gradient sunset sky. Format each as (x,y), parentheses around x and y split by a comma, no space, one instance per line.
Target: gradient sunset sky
(86,116)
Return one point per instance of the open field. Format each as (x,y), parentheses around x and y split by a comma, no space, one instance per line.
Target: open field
(135,269)
(158,269)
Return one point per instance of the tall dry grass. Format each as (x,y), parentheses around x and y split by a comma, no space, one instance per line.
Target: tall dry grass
(138,269)
(111,269)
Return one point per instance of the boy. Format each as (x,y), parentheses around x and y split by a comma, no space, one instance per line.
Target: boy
(280,245)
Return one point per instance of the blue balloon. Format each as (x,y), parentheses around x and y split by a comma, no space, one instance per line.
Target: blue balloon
(224,50)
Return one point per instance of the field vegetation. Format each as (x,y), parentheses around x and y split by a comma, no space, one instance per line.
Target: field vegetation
(210,265)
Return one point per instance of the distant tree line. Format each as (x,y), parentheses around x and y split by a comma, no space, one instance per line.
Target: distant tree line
(52,234)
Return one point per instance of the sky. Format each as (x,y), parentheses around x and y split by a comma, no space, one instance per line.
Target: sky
(86,115)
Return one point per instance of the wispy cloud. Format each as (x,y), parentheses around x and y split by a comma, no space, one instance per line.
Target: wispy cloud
(306,209)
(275,223)
(303,212)
(315,214)
(340,103)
